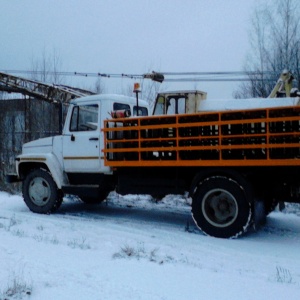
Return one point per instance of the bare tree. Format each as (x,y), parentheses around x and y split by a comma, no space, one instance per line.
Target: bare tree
(275,40)
(99,86)
(149,90)
(127,90)
(47,67)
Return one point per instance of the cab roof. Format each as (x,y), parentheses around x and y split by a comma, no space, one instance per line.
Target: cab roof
(110,97)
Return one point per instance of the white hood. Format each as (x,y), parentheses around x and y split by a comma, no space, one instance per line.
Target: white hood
(39,146)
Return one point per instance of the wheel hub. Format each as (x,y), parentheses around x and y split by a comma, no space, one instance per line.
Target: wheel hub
(39,191)
(219,207)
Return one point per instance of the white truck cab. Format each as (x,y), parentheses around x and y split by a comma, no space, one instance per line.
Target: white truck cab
(82,139)
(73,162)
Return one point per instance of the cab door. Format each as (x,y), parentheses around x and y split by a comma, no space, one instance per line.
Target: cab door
(81,141)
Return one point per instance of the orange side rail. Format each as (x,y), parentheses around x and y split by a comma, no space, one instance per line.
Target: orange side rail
(259,137)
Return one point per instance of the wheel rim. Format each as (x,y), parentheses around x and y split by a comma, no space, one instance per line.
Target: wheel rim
(39,191)
(219,208)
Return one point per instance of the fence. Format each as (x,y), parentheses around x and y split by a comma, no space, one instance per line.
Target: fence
(21,121)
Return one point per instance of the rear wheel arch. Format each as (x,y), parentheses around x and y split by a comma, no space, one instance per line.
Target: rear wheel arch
(231,174)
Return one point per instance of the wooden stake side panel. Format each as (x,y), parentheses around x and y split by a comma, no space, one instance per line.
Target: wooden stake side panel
(260,137)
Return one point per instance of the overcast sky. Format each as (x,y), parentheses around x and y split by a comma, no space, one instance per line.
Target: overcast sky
(129,36)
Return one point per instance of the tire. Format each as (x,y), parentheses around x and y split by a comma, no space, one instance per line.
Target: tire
(40,192)
(221,207)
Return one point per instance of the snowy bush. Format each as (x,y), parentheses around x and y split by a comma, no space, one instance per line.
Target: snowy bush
(127,251)
(139,252)
(12,222)
(54,240)
(81,244)
(18,233)
(17,288)
(283,275)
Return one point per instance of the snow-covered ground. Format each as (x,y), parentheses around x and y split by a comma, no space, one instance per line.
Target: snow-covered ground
(133,248)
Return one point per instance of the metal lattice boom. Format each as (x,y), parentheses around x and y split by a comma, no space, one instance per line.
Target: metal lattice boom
(33,88)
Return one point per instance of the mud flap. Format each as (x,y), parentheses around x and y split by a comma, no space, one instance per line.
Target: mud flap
(259,215)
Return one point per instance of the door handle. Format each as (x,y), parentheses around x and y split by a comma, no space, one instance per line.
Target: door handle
(94,139)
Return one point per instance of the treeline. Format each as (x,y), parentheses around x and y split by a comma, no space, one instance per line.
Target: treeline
(274,38)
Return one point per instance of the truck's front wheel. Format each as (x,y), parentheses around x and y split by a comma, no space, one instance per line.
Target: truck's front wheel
(221,207)
(40,192)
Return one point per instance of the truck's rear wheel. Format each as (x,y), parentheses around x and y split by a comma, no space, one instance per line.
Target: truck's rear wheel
(40,192)
(221,207)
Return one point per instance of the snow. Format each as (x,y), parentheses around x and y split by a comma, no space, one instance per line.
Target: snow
(242,104)
(134,248)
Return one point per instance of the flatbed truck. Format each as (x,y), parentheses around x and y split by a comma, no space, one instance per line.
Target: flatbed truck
(229,159)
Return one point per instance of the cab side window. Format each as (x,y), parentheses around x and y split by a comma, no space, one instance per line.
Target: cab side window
(84,118)
(121,106)
(142,111)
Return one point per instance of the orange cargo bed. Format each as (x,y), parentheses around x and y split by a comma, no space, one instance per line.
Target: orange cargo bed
(257,137)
